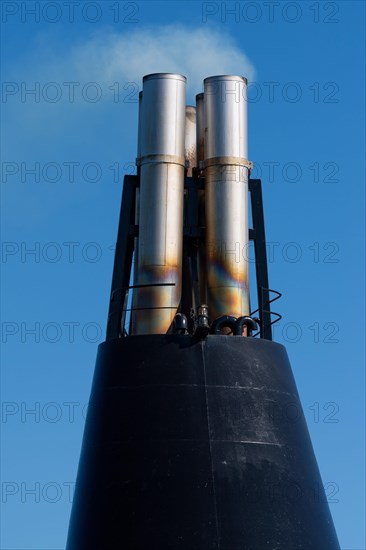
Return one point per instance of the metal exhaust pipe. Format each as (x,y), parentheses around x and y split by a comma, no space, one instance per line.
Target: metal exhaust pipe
(190,140)
(139,133)
(200,135)
(200,130)
(159,258)
(226,173)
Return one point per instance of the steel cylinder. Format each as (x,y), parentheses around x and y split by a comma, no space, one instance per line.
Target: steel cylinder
(226,174)
(200,130)
(158,271)
(200,134)
(139,132)
(190,139)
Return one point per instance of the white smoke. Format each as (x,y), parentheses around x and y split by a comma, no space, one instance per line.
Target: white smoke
(195,53)
(112,61)
(42,129)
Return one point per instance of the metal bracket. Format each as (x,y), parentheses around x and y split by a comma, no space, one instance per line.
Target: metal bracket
(192,234)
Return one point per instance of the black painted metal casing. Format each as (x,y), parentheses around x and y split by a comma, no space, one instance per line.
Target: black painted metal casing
(197,445)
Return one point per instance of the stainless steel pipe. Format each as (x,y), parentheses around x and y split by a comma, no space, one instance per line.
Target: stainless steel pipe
(200,130)
(200,134)
(139,131)
(190,149)
(162,161)
(226,173)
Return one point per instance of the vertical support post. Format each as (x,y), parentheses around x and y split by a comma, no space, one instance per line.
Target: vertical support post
(255,188)
(122,258)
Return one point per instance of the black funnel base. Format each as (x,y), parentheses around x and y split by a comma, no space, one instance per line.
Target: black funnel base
(197,445)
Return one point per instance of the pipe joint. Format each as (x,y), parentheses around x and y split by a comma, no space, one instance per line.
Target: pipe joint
(161,159)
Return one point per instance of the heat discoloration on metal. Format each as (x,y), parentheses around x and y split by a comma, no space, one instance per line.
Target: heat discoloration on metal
(159,254)
(156,305)
(226,202)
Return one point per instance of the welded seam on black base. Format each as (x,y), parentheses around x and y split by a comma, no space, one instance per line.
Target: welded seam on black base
(210,447)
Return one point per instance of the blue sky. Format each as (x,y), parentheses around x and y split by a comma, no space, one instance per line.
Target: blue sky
(65,148)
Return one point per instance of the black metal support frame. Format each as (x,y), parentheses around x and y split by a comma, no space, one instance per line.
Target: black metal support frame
(127,232)
(122,258)
(257,235)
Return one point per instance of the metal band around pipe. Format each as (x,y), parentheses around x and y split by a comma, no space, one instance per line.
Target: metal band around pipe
(158,159)
(231,161)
